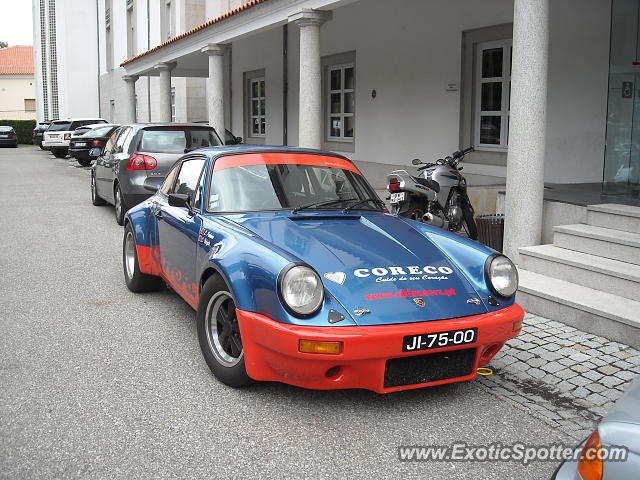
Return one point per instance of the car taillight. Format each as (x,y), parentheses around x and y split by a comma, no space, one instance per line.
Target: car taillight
(67,136)
(13,135)
(394,185)
(142,162)
(97,143)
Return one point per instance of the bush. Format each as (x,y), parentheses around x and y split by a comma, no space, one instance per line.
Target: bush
(23,128)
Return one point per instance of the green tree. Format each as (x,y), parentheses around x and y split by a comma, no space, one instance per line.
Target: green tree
(3,44)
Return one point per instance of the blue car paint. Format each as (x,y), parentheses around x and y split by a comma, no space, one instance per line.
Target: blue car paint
(249,250)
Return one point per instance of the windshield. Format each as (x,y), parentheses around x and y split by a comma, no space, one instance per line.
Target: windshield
(98,132)
(177,140)
(59,126)
(274,181)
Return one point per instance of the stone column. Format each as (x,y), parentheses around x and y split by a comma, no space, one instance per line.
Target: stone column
(310,104)
(130,102)
(164,69)
(215,87)
(527,129)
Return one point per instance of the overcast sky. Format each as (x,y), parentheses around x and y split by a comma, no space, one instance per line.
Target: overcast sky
(15,22)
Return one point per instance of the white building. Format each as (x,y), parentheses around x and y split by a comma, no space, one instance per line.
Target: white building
(17,89)
(66,58)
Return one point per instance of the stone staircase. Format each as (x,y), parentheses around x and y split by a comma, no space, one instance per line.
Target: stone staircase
(590,276)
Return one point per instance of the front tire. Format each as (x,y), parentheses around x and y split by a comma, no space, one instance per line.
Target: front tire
(95,198)
(219,334)
(136,281)
(469,222)
(119,204)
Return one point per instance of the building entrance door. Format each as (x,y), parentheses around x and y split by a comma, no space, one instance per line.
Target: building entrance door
(622,151)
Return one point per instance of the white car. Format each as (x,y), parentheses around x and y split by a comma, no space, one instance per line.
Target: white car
(56,138)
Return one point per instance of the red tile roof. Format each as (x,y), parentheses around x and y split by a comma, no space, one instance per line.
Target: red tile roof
(206,24)
(16,60)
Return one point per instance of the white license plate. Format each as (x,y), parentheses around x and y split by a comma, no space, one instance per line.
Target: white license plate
(398,197)
(4,136)
(426,341)
(81,144)
(54,136)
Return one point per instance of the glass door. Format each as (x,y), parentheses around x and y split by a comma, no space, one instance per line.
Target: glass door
(622,150)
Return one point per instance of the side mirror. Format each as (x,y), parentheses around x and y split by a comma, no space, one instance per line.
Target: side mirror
(238,140)
(181,200)
(152,183)
(416,161)
(95,152)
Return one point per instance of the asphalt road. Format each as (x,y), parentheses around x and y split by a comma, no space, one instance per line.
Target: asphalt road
(97,382)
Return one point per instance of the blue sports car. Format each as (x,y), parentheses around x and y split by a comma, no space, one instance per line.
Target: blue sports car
(299,275)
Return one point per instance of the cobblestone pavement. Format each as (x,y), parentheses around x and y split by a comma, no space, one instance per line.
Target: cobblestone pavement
(562,375)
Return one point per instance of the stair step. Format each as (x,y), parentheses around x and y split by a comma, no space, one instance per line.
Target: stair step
(611,276)
(600,313)
(599,241)
(617,217)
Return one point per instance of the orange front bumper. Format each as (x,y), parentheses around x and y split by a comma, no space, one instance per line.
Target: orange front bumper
(271,349)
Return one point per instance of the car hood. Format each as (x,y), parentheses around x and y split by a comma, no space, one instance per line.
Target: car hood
(375,262)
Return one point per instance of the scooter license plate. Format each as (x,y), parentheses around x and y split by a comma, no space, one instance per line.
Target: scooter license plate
(398,197)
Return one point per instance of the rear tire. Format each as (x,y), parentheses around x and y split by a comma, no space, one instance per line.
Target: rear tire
(219,334)
(119,204)
(136,281)
(84,163)
(41,147)
(95,199)
(59,153)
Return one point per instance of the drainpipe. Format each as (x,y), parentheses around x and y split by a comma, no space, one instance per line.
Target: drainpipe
(98,42)
(148,48)
(285,81)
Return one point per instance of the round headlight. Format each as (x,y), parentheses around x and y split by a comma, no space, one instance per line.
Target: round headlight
(503,276)
(301,290)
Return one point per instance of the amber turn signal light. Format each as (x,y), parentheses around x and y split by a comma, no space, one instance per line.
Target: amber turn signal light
(313,346)
(517,325)
(590,464)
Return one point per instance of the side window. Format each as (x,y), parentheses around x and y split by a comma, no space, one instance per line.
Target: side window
(188,177)
(108,148)
(167,185)
(121,140)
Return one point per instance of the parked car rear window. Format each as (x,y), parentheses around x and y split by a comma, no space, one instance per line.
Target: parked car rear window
(176,140)
(98,132)
(6,129)
(59,126)
(81,123)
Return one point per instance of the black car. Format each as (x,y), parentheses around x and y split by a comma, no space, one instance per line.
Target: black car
(8,137)
(86,139)
(38,133)
(137,157)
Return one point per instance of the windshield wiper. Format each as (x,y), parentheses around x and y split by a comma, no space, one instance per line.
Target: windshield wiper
(321,204)
(377,201)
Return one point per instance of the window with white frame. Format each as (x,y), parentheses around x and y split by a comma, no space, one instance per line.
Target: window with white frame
(341,102)
(257,104)
(173,104)
(492,95)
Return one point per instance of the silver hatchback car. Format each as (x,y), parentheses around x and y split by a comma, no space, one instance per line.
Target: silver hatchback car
(137,157)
